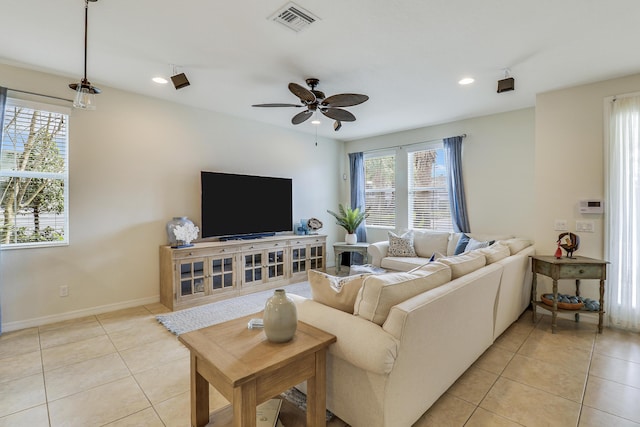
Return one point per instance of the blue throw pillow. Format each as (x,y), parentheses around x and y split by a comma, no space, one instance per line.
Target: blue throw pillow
(462,244)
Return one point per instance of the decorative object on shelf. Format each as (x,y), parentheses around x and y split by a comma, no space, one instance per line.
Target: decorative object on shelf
(558,253)
(349,219)
(566,302)
(85,92)
(302,228)
(314,224)
(181,231)
(280,317)
(571,243)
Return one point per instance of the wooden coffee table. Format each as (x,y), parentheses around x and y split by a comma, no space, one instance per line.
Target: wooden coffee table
(247,369)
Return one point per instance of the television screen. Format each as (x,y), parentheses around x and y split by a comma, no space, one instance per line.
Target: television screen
(234,205)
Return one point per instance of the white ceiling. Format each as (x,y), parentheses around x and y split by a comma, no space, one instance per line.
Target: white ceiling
(406,55)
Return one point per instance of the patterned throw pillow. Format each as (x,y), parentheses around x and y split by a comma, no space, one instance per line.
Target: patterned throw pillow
(401,245)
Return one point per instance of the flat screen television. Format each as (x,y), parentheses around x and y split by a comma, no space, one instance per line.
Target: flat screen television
(243,206)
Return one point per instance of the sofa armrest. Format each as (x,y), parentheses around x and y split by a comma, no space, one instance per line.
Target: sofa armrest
(377,251)
(359,342)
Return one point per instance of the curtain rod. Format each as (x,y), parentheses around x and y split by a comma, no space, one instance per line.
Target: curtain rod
(40,94)
(464,135)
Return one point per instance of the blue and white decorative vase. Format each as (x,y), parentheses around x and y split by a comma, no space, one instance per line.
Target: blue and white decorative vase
(179,222)
(280,317)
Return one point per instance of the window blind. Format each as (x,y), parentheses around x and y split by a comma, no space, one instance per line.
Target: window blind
(380,191)
(427,190)
(34,175)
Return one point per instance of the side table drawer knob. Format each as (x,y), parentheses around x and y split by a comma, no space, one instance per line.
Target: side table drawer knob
(581,271)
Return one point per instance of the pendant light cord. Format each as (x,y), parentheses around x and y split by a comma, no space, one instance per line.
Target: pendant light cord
(86,23)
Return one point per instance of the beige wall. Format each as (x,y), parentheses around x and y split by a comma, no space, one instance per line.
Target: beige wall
(498,168)
(569,166)
(569,163)
(134,164)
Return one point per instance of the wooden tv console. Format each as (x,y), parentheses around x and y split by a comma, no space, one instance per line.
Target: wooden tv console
(211,271)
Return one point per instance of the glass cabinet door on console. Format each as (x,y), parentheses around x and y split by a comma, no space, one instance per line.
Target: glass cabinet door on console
(191,277)
(262,265)
(222,272)
(306,254)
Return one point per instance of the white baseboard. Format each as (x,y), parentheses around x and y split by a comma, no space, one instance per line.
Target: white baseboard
(39,321)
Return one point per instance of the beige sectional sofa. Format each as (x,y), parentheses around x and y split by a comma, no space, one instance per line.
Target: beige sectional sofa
(411,334)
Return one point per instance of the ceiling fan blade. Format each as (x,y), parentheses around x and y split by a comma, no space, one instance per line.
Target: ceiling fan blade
(301,117)
(305,95)
(277,105)
(338,114)
(345,100)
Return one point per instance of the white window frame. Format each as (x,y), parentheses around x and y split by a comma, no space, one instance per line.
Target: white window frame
(64,176)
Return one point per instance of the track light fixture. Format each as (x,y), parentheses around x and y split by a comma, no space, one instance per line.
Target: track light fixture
(179,80)
(85,92)
(506,84)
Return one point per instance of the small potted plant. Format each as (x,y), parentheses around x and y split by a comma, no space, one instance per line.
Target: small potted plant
(349,219)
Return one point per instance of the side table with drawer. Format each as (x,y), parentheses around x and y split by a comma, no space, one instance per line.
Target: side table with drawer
(576,268)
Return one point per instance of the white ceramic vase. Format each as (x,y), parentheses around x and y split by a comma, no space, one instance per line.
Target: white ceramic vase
(351,238)
(280,317)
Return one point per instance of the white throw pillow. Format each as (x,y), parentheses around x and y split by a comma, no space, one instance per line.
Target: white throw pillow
(401,245)
(381,292)
(477,244)
(337,292)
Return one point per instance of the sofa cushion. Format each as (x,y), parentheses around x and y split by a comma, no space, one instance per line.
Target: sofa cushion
(337,292)
(426,243)
(381,292)
(402,263)
(401,245)
(464,263)
(516,244)
(495,252)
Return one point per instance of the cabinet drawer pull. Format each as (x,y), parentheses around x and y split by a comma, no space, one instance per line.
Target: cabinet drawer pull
(223,250)
(190,253)
(581,271)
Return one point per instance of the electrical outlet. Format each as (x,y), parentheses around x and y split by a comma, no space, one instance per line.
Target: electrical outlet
(64,291)
(560,225)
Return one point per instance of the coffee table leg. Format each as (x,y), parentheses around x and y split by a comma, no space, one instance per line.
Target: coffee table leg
(244,405)
(316,392)
(199,396)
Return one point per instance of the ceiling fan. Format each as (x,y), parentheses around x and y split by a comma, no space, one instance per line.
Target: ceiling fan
(315,100)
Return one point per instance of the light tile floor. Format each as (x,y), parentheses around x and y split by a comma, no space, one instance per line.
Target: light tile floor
(124,369)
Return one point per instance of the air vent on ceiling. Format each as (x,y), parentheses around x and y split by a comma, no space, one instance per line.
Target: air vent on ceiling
(294,17)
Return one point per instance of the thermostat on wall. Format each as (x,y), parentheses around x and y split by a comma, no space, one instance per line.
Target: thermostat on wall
(591,206)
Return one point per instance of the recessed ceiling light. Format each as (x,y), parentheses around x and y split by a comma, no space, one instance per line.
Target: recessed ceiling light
(466,81)
(160,80)
(315,122)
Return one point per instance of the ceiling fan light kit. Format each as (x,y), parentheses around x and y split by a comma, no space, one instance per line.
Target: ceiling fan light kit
(316,100)
(85,92)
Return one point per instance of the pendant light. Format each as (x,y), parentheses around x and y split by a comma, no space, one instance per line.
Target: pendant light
(85,92)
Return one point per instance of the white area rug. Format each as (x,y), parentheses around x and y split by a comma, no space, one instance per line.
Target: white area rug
(190,319)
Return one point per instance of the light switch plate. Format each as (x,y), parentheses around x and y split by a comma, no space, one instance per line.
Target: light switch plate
(585,226)
(560,225)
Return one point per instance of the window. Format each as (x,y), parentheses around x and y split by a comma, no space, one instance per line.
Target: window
(380,189)
(428,194)
(34,175)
